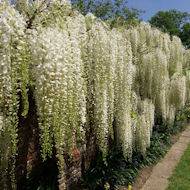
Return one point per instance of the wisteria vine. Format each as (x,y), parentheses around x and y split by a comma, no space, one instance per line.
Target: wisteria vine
(86,76)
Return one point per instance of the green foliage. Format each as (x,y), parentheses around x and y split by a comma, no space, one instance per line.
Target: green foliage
(170,21)
(185,34)
(115,12)
(134,115)
(116,172)
(184,114)
(42,177)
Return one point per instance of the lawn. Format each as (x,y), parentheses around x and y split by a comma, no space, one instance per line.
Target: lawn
(180,180)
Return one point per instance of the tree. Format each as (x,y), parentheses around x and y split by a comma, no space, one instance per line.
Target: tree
(170,21)
(115,11)
(174,22)
(185,34)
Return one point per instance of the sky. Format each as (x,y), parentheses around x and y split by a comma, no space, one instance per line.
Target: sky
(153,6)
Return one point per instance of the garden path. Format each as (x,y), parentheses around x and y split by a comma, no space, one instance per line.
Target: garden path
(159,178)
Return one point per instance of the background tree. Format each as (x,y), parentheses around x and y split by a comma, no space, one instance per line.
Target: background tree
(185,34)
(116,11)
(174,22)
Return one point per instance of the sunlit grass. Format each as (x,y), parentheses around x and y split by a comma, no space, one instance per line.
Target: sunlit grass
(180,180)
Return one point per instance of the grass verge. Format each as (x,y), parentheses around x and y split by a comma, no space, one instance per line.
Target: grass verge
(180,180)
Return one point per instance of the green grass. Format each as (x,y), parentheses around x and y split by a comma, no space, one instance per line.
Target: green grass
(180,180)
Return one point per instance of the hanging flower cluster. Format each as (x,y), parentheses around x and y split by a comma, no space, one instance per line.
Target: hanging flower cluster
(59,87)
(178,90)
(12,44)
(176,56)
(100,72)
(186,60)
(123,85)
(144,125)
(109,75)
(157,59)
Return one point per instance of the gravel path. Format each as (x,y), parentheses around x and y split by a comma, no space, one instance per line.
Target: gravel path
(158,180)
